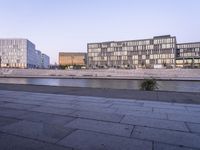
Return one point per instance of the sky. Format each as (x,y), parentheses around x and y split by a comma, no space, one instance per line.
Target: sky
(68,25)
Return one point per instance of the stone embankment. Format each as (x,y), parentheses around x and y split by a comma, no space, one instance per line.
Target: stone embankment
(173,74)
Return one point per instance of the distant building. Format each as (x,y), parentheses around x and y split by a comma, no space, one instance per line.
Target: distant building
(45,61)
(20,53)
(39,60)
(72,59)
(158,52)
(146,53)
(188,55)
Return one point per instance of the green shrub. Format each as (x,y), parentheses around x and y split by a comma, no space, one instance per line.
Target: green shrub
(149,85)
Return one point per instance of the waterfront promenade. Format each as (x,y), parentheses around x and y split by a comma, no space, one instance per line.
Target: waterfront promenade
(44,121)
(161,74)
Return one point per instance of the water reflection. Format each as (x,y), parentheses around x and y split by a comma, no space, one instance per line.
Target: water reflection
(188,86)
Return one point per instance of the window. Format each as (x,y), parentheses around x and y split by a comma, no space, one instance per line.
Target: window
(143,56)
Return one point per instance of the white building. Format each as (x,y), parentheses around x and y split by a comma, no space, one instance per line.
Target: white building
(20,53)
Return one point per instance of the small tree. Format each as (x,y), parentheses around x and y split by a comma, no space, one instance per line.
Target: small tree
(149,85)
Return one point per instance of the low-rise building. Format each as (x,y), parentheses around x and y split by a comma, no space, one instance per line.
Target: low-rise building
(72,59)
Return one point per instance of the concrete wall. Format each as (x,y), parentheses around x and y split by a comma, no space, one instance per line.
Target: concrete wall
(137,73)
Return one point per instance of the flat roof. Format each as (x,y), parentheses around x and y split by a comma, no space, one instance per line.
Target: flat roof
(72,53)
(188,43)
(155,37)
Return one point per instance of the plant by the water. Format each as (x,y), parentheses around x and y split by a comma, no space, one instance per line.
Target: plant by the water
(149,85)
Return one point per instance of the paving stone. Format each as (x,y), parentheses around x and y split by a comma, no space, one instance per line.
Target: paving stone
(143,114)
(54,147)
(187,105)
(7,121)
(67,102)
(185,117)
(6,112)
(47,118)
(121,100)
(2,103)
(91,99)
(59,100)
(95,109)
(100,126)
(167,110)
(30,102)
(85,140)
(53,110)
(88,106)
(194,109)
(167,136)
(32,98)
(152,103)
(19,106)
(165,106)
(161,146)
(157,123)
(35,130)
(92,105)
(128,103)
(194,127)
(11,142)
(58,105)
(132,108)
(98,116)
(5,99)
(79,107)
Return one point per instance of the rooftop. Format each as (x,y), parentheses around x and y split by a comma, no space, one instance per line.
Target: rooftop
(71,53)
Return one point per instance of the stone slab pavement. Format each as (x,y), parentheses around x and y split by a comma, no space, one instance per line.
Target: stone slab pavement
(41,121)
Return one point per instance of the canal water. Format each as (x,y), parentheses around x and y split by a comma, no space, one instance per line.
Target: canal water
(164,85)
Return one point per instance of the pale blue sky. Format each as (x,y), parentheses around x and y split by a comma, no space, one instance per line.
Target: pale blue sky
(68,25)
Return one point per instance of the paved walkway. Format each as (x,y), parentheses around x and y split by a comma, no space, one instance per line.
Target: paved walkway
(39,121)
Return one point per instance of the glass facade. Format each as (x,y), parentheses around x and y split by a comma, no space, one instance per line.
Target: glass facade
(148,53)
(45,61)
(13,53)
(19,53)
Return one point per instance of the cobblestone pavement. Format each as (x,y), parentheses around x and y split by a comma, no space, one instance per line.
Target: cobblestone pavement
(38,121)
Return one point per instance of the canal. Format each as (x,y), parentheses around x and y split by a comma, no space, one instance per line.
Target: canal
(163,85)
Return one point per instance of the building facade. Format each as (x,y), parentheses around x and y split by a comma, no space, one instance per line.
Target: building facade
(158,52)
(19,53)
(45,61)
(188,55)
(147,53)
(71,59)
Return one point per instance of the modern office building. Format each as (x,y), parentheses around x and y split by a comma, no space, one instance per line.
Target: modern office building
(20,53)
(188,55)
(158,52)
(147,53)
(71,59)
(45,61)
